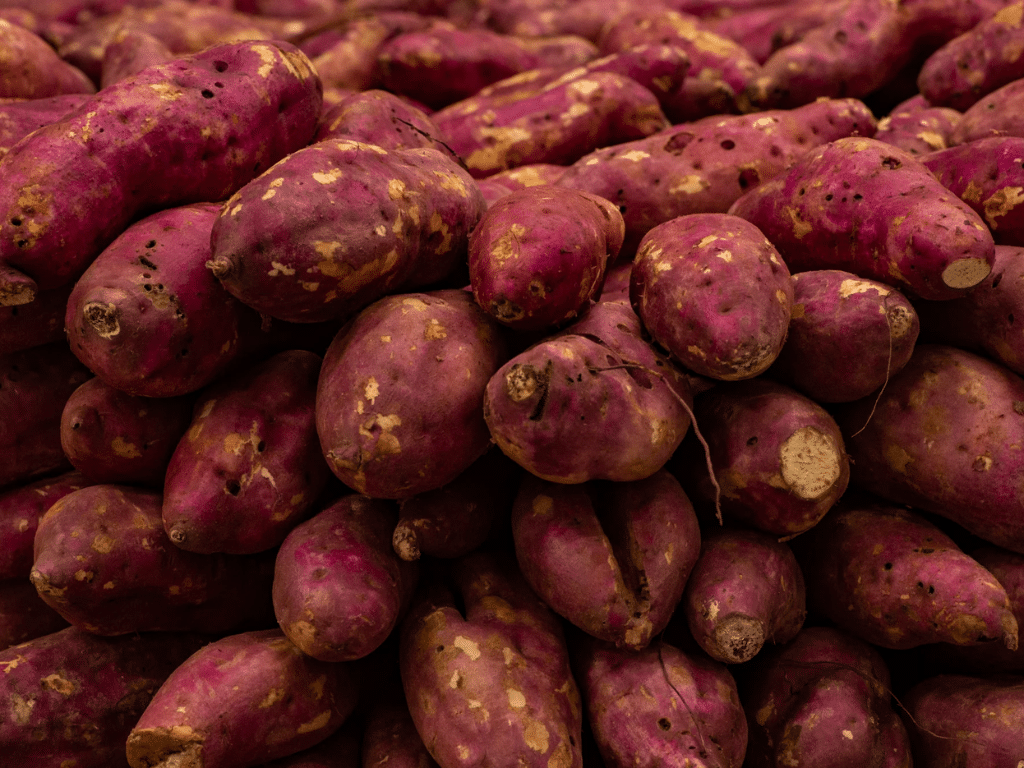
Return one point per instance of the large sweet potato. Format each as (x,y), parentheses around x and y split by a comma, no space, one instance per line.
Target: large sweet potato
(992,115)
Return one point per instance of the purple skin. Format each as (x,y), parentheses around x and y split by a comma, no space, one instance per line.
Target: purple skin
(339,588)
(18,118)
(103,561)
(32,68)
(272,701)
(249,468)
(745,590)
(86,692)
(21,508)
(762,31)
(390,739)
(846,337)
(987,175)
(660,707)
(893,579)
(129,52)
(34,385)
(612,558)
(40,322)
(661,69)
(918,131)
(911,232)
(23,614)
(339,750)
(968,469)
(203,151)
(993,115)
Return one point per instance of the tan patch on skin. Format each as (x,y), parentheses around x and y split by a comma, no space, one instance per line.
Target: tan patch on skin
(690,185)
(166,91)
(801,228)
(897,458)
(536,736)
(1001,203)
(58,684)
(502,139)
(21,709)
(810,463)
(103,543)
(507,245)
(1010,16)
(848,288)
(467,646)
(316,723)
(124,449)
(434,331)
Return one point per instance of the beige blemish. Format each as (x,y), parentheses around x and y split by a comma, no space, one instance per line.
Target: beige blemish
(103,543)
(280,269)
(516,699)
(467,646)
(124,449)
(328,177)
(371,390)
(318,722)
(689,185)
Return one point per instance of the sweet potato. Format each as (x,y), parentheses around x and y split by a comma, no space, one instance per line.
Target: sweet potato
(778,457)
(113,437)
(767,27)
(941,438)
(660,707)
(993,115)
(34,385)
(130,51)
(823,700)
(537,257)
(339,750)
(866,207)
(349,61)
(20,510)
(19,117)
(104,563)
(714,292)
(282,246)
(847,335)
(248,469)
(40,322)
(504,183)
(271,700)
(23,614)
(560,51)
(73,697)
(552,407)
(612,558)
(918,130)
(539,18)
(390,739)
(32,69)
(489,684)
(398,405)
(704,166)
(198,150)
(746,589)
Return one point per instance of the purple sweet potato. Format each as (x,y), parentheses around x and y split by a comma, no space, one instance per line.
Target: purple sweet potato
(766,27)
(73,697)
(506,182)
(660,707)
(489,684)
(552,407)
(130,51)
(34,385)
(919,131)
(661,69)
(339,587)
(19,117)
(867,207)
(399,402)
(23,614)
(942,438)
(198,150)
(40,322)
(337,225)
(823,700)
(714,292)
(32,69)
(894,579)
(350,61)
(778,457)
(612,558)
(339,750)
(745,590)
(847,335)
(704,166)
(249,468)
(390,739)
(537,257)
(104,563)
(240,701)
(21,507)
(995,114)
(113,437)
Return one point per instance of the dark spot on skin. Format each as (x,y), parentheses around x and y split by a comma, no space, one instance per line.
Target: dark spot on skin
(220,66)
(261,446)
(16,222)
(998,279)
(207,93)
(233,487)
(888,566)
(664,723)
(728,144)
(752,441)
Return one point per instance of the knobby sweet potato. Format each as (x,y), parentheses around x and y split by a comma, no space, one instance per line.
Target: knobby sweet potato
(918,128)
(20,509)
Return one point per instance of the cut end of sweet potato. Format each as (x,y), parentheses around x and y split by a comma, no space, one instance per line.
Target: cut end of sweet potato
(966,273)
(221,268)
(175,747)
(104,318)
(738,639)
(16,288)
(810,462)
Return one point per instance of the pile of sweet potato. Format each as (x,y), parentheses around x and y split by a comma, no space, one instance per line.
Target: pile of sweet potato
(536,383)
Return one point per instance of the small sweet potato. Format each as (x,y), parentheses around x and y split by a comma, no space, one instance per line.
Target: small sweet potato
(240,701)
(23,614)
(19,117)
(33,70)
(993,115)
(21,507)
(130,51)
(920,130)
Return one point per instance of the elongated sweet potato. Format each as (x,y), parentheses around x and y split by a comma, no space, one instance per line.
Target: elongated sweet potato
(197,150)
(23,614)
(19,117)
(20,510)
(272,700)
(32,69)
(992,115)
(918,129)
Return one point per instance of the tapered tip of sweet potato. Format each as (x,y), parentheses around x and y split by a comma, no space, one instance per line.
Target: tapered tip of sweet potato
(175,747)
(738,639)
(966,273)
(811,463)
(16,288)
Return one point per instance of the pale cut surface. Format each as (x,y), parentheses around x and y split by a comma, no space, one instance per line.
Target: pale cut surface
(810,463)
(966,273)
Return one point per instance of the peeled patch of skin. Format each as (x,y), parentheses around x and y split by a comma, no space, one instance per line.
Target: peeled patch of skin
(71,698)
(271,700)
(847,335)
(611,558)
(993,115)
(399,402)
(660,707)
(866,207)
(490,686)
(714,292)
(969,467)
(170,135)
(337,225)
(21,508)
(33,70)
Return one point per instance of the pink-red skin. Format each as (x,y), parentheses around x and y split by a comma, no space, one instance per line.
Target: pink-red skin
(282,246)
(505,650)
(399,402)
(763,30)
(271,701)
(660,707)
(968,469)
(23,614)
(661,69)
(130,51)
(339,750)
(34,385)
(19,117)
(33,70)
(20,509)
(202,153)
(103,561)
(248,469)
(562,51)
(552,408)
(911,232)
(745,590)
(40,322)
(918,131)
(987,174)
(537,257)
(704,166)
(992,115)
(339,588)
(113,437)
(504,183)
(847,335)
(713,291)
(86,693)
(533,18)
(612,558)
(390,739)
